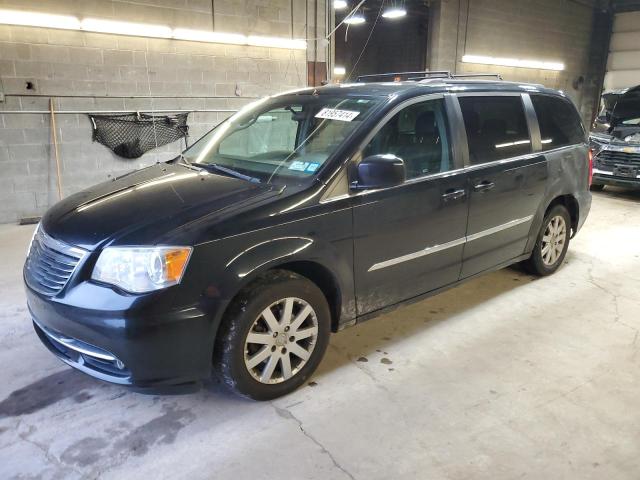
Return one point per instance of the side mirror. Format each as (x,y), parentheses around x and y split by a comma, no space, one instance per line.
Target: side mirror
(379,171)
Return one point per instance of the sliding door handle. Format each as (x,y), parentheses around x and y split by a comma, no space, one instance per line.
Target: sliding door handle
(453,194)
(483,186)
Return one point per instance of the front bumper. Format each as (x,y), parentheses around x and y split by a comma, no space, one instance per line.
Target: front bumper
(136,345)
(604,177)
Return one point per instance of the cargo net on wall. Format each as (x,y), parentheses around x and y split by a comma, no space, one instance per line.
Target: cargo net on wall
(133,134)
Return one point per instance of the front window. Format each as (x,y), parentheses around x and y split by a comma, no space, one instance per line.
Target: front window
(282,139)
(418,135)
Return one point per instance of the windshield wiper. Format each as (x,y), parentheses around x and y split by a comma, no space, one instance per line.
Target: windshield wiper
(228,171)
(182,159)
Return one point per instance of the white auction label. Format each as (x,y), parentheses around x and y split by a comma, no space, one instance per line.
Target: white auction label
(335,114)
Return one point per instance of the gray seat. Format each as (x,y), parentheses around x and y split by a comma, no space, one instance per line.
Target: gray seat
(424,155)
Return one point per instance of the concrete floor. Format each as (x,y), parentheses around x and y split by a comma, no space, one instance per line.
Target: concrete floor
(504,377)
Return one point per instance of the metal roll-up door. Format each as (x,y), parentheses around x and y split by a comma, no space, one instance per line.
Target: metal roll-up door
(623,65)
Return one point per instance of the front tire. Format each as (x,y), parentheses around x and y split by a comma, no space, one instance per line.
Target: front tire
(273,336)
(552,243)
(594,187)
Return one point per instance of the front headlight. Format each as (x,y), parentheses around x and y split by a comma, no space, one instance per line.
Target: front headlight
(141,269)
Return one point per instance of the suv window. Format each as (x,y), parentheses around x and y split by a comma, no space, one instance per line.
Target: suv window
(559,122)
(496,128)
(418,135)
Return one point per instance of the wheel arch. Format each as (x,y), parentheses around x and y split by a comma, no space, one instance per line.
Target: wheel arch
(572,206)
(324,279)
(313,271)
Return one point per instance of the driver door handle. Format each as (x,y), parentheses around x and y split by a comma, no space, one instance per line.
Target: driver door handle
(453,194)
(484,186)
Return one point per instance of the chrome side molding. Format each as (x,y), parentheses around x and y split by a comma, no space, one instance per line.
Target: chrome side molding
(451,244)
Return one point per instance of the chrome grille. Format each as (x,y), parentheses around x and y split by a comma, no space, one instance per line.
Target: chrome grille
(611,158)
(50,263)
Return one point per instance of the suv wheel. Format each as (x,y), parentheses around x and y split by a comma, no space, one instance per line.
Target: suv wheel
(594,187)
(552,244)
(273,336)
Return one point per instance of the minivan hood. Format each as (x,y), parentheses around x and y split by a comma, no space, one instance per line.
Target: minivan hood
(140,207)
(622,105)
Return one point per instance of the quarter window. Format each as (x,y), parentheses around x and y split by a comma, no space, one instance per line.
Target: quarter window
(496,127)
(418,135)
(559,122)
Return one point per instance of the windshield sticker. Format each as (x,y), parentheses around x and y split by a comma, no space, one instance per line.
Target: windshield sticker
(299,166)
(335,114)
(307,167)
(312,167)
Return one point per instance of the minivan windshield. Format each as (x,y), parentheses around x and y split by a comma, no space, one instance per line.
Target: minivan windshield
(282,139)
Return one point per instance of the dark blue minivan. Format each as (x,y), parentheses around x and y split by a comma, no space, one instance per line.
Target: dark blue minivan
(300,215)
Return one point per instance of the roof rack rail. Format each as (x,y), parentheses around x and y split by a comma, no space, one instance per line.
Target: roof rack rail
(399,76)
(422,75)
(471,75)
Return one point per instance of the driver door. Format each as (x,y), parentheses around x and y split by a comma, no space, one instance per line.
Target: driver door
(409,239)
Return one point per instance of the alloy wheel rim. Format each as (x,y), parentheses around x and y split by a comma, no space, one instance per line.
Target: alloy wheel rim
(553,240)
(281,340)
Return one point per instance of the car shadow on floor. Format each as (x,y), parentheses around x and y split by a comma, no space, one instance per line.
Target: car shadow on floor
(379,335)
(620,192)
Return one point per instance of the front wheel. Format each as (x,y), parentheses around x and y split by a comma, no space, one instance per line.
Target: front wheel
(273,336)
(552,244)
(594,187)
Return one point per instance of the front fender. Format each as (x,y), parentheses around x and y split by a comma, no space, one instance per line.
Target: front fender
(264,255)
(333,258)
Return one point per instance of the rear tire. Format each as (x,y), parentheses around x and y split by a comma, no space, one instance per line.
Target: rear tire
(552,243)
(596,188)
(273,336)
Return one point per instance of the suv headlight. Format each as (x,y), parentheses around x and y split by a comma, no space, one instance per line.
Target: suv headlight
(33,237)
(141,269)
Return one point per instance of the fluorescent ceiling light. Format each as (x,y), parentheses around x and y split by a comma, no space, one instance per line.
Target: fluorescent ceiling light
(513,62)
(339,70)
(33,19)
(126,28)
(205,36)
(277,42)
(394,13)
(238,39)
(355,19)
(339,4)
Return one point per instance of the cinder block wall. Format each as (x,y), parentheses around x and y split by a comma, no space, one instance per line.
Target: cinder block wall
(549,30)
(89,71)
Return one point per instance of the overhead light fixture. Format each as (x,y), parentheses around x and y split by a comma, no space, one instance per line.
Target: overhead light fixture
(339,71)
(126,28)
(68,22)
(355,19)
(33,19)
(513,62)
(339,4)
(395,12)
(277,42)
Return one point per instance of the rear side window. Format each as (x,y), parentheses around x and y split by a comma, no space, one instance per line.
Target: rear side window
(496,128)
(559,122)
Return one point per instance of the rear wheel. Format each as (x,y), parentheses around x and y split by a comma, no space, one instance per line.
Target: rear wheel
(273,336)
(596,188)
(552,244)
